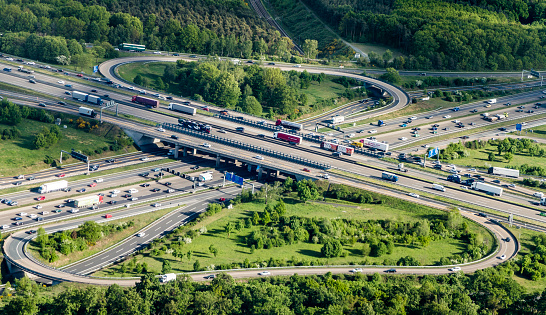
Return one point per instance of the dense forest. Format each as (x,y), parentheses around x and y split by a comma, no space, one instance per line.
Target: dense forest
(206,27)
(445,34)
(490,291)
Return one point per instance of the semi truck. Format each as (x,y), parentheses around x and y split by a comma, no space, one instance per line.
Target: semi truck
(145,101)
(389,176)
(503,171)
(94,99)
(205,177)
(438,187)
(337,119)
(375,144)
(87,112)
(381,123)
(286,137)
(543,201)
(79,96)
(337,148)
(54,186)
(182,108)
(401,168)
(88,201)
(288,124)
(489,189)
(84,97)
(167,277)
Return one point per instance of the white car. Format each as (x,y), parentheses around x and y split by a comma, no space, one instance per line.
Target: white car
(9,59)
(141,234)
(160,129)
(264,273)
(472,170)
(162,98)
(157,53)
(156,205)
(426,146)
(356,270)
(115,191)
(429,117)
(297,66)
(5,227)
(131,87)
(447,116)
(456,121)
(134,199)
(502,257)
(44,212)
(144,159)
(464,187)
(73,210)
(206,145)
(33,216)
(538,194)
(413,117)
(22,214)
(259,157)
(326,176)
(31,63)
(372,131)
(60,82)
(403,138)
(330,134)
(222,131)
(142,92)
(455,269)
(38,206)
(414,195)
(113,195)
(512,186)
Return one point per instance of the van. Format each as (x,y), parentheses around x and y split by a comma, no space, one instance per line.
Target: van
(132,190)
(438,187)
(240,129)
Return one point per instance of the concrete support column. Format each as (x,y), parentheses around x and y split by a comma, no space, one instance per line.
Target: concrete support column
(193,151)
(176,148)
(249,168)
(260,173)
(235,161)
(184,151)
(218,160)
(277,173)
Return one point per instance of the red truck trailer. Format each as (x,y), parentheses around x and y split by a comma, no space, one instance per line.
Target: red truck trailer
(145,101)
(286,137)
(337,148)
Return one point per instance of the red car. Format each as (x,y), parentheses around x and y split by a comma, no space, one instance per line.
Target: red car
(222,199)
(79,75)
(306,170)
(61,175)
(92,184)
(41,198)
(205,108)
(108,216)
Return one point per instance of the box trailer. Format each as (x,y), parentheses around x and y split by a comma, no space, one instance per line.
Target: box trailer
(88,201)
(337,119)
(182,108)
(167,277)
(87,112)
(94,99)
(389,176)
(286,137)
(54,186)
(503,171)
(79,96)
(205,177)
(489,189)
(289,124)
(337,148)
(145,101)
(492,101)
(375,144)
(438,187)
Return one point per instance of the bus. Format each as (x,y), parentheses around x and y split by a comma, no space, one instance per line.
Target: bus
(135,47)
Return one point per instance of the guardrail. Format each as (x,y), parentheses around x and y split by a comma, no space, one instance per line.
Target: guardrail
(246,146)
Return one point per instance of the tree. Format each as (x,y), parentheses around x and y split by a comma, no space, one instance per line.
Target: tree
(255,218)
(491,157)
(251,106)
(91,231)
(138,79)
(229,228)
(166,267)
(197,266)
(508,156)
(391,76)
(63,60)
(310,48)
(332,248)
(387,56)
(82,61)
(213,250)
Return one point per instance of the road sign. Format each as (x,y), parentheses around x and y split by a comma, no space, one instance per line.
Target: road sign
(518,127)
(535,73)
(433,152)
(95,69)
(228,176)
(79,156)
(237,180)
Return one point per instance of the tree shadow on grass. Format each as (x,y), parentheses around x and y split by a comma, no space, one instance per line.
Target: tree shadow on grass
(312,253)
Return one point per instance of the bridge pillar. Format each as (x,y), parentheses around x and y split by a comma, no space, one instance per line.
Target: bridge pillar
(8,264)
(193,151)
(277,173)
(184,151)
(249,168)
(218,160)
(260,173)
(176,148)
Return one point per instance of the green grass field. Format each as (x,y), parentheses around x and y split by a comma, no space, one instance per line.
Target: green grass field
(538,132)
(151,70)
(233,250)
(525,237)
(377,48)
(19,157)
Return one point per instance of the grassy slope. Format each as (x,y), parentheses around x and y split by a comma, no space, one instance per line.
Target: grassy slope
(478,158)
(525,238)
(19,157)
(233,250)
(538,132)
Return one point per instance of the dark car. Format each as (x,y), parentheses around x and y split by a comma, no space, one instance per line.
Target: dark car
(481,214)
(145,185)
(392,270)
(174,136)
(271,63)
(94,91)
(156,189)
(169,97)
(168,183)
(144,174)
(176,54)
(61,103)
(106,96)
(502,129)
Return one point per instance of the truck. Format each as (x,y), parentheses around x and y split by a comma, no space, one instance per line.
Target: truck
(401,167)
(337,119)
(503,171)
(489,189)
(492,118)
(79,96)
(88,201)
(543,201)
(54,186)
(94,99)
(286,137)
(438,187)
(145,101)
(389,176)
(167,277)
(381,123)
(87,112)
(288,124)
(337,148)
(375,144)
(182,108)
(205,177)
(492,101)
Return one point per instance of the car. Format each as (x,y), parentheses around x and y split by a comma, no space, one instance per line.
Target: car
(145,185)
(18,223)
(502,257)
(306,170)
(44,212)
(60,206)
(372,131)
(496,181)
(168,184)
(538,194)
(130,87)
(205,108)
(271,63)
(141,234)
(481,214)
(57,211)
(472,170)
(81,190)
(264,273)
(157,53)
(464,187)
(259,157)
(447,116)
(474,111)
(94,91)
(60,82)
(61,103)
(507,239)
(32,81)
(356,270)
(392,270)
(206,145)
(455,269)
(33,216)
(174,136)
(403,125)
(18,183)
(413,117)
(403,138)
(22,214)
(512,186)
(209,277)
(68,85)
(169,97)
(73,210)
(38,206)
(414,195)
(134,199)
(465,137)
(31,232)
(487,106)
(92,184)
(18,219)
(144,159)
(112,202)
(156,189)
(41,198)
(156,205)
(5,227)
(61,175)
(196,167)
(160,129)
(142,92)
(42,105)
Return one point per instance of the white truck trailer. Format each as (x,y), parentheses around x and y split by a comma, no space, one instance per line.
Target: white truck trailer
(503,171)
(489,189)
(492,101)
(55,186)
(167,277)
(337,119)
(182,108)
(79,96)
(205,177)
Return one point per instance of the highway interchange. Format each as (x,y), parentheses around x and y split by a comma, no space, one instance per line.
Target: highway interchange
(516,203)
